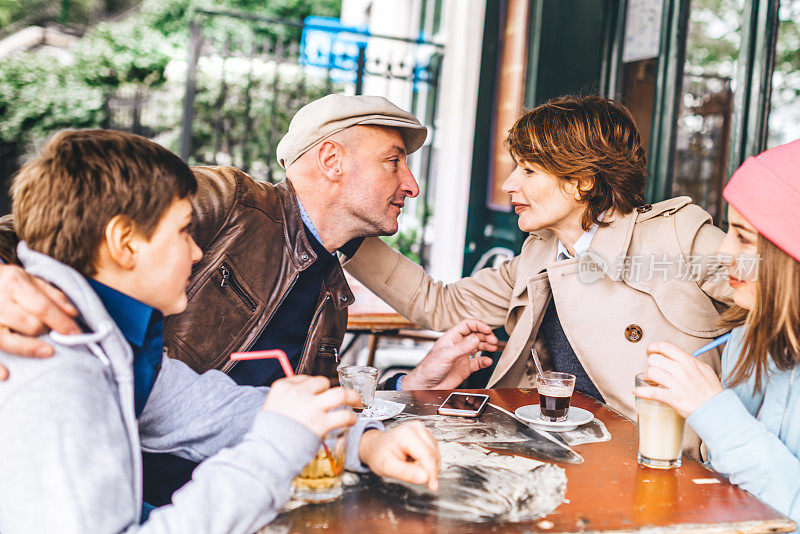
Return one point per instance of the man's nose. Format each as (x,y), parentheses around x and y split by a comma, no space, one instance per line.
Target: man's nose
(409,184)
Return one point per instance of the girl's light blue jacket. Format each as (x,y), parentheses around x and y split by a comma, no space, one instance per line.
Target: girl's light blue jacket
(754,438)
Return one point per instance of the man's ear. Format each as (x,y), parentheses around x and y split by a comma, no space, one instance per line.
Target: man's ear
(122,241)
(329,159)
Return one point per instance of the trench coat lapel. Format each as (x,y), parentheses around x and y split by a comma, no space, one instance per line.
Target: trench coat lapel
(610,245)
(531,294)
(532,289)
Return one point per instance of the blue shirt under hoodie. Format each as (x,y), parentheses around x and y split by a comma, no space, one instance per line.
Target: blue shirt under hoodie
(143,328)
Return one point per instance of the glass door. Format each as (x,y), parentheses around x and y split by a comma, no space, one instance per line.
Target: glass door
(705,103)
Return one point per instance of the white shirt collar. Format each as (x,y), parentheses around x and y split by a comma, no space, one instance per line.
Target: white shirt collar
(581,245)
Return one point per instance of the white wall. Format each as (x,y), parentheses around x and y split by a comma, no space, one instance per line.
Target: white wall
(458,97)
(462,34)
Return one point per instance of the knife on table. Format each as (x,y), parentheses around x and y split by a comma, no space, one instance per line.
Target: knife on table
(540,446)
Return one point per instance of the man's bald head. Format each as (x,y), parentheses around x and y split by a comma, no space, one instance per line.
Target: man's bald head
(357,177)
(349,143)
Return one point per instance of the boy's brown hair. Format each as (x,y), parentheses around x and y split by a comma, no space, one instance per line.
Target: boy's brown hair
(587,138)
(81,179)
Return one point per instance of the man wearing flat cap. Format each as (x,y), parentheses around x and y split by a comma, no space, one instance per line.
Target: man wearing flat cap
(269,276)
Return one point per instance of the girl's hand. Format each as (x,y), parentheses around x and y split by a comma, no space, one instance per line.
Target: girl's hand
(688,382)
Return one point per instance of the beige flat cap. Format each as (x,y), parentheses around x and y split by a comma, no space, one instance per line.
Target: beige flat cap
(333,113)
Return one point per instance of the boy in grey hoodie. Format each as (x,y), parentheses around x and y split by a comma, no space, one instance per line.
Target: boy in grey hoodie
(103,217)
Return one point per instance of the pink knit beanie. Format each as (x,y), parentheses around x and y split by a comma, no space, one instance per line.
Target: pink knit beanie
(766,191)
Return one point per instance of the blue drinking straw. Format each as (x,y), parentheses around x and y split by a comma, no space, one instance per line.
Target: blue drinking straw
(716,343)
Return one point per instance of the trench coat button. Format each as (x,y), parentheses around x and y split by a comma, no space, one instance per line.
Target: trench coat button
(633,333)
(343,298)
(304,256)
(645,208)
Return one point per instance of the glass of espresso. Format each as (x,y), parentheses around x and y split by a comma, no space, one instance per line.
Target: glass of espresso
(555,392)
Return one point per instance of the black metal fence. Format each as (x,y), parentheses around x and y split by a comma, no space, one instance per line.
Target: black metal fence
(246,76)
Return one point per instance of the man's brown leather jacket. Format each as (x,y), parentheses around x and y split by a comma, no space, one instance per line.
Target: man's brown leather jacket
(254,247)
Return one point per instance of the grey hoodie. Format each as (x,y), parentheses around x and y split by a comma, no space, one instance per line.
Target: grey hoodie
(70,443)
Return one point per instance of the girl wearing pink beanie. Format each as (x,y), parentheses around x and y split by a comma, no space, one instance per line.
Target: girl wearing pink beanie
(750,421)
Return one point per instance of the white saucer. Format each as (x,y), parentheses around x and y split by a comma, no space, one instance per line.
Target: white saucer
(575,418)
(382,409)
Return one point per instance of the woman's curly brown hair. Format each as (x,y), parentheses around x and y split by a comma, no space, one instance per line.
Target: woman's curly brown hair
(590,139)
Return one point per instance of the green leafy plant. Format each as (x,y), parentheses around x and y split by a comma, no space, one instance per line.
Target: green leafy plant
(39,96)
(406,242)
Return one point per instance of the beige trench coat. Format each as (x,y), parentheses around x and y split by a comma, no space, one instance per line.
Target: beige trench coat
(610,308)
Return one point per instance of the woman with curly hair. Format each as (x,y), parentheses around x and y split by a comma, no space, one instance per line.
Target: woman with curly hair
(601,275)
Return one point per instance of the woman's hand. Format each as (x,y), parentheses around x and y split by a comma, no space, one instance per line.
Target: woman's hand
(688,382)
(450,360)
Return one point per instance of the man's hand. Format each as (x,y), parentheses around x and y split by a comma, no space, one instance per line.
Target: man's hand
(449,362)
(407,452)
(687,382)
(308,399)
(30,307)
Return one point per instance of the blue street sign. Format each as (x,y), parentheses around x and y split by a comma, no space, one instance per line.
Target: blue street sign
(328,44)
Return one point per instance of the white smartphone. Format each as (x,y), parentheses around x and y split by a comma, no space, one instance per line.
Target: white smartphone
(464,404)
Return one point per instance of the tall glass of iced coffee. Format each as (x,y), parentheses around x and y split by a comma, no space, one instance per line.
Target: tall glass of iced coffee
(660,431)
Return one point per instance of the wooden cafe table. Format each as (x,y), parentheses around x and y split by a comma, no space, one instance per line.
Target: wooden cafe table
(608,492)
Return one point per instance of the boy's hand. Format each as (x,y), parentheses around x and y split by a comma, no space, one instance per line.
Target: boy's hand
(449,362)
(407,452)
(30,307)
(308,399)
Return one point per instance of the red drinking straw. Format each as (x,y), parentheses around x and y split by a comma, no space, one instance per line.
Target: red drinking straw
(264,354)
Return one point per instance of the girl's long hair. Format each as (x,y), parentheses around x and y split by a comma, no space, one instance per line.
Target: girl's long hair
(773,325)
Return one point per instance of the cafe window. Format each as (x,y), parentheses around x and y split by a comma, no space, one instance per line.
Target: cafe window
(705,103)
(724,84)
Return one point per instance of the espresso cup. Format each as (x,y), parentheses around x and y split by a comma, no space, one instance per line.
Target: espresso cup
(660,431)
(555,392)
